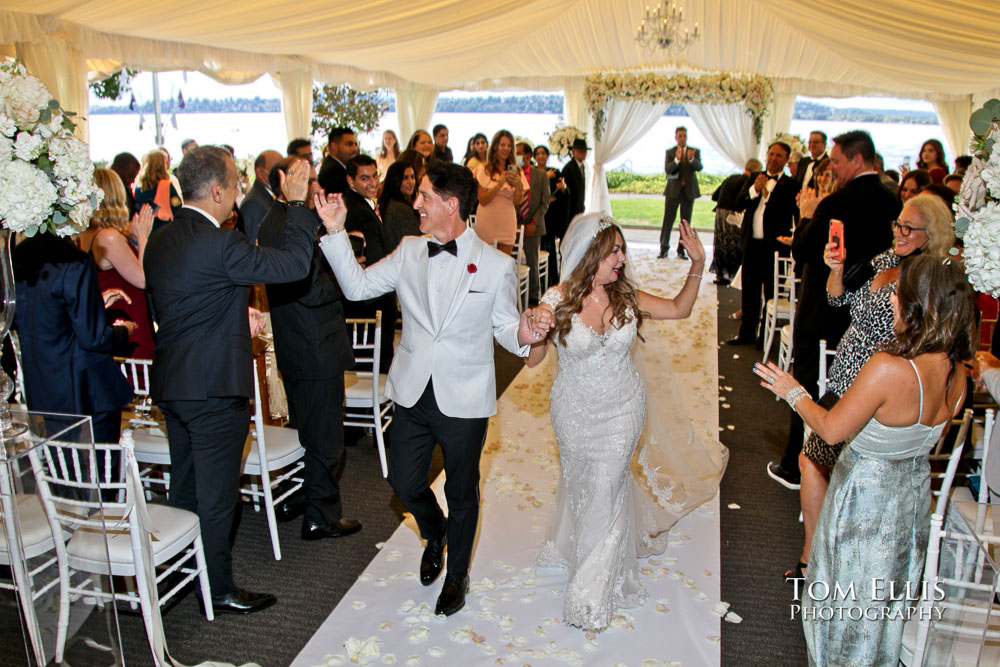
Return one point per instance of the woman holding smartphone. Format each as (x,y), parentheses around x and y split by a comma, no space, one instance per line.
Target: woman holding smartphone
(501,191)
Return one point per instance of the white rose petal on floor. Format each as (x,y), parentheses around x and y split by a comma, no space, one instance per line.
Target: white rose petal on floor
(513,609)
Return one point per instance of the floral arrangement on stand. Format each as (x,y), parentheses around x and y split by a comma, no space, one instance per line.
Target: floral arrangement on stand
(978,218)
(562,138)
(794,142)
(46,175)
(756,92)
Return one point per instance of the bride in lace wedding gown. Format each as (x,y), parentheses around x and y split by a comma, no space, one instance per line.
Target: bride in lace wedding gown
(606,517)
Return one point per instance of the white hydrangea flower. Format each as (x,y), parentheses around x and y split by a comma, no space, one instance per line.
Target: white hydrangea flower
(7,126)
(982,250)
(6,150)
(28,146)
(26,196)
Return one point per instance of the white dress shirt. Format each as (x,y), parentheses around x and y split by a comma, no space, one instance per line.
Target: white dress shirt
(204,213)
(758,215)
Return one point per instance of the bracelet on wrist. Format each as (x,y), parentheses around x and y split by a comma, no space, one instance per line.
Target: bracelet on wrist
(298,203)
(794,395)
(695,275)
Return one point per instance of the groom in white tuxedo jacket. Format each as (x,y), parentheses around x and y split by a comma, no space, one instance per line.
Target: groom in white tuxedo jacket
(456,294)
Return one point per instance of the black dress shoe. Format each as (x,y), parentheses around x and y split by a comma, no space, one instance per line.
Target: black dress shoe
(452,597)
(318,531)
(291,507)
(682,253)
(740,340)
(241,602)
(663,255)
(787,478)
(433,560)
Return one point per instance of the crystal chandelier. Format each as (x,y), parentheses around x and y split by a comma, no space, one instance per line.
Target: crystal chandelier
(663,27)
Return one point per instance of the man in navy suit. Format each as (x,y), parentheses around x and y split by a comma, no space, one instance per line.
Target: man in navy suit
(682,164)
(769,211)
(333,172)
(198,276)
(258,201)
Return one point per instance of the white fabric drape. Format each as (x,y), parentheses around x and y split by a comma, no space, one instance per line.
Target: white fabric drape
(954,118)
(296,102)
(64,72)
(575,109)
(728,128)
(627,122)
(414,109)
(779,120)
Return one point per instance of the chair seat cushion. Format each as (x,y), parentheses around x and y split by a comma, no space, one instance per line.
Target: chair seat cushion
(784,307)
(172,527)
(283,448)
(151,445)
(358,390)
(786,333)
(35,530)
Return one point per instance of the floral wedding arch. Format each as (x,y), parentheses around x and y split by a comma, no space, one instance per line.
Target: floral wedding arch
(754,91)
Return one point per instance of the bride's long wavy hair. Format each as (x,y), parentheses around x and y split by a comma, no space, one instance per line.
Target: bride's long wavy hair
(622,293)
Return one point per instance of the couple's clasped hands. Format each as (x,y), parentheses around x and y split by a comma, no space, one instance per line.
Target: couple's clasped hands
(535,324)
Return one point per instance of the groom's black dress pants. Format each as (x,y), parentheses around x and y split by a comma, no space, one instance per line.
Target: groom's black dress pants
(414,432)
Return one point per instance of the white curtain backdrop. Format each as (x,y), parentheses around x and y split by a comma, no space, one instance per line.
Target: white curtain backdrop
(954,118)
(64,72)
(728,128)
(296,102)
(414,109)
(779,120)
(627,122)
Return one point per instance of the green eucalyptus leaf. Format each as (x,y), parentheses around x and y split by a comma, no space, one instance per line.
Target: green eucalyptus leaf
(980,121)
(31,231)
(43,161)
(993,106)
(45,116)
(988,146)
(54,105)
(58,217)
(93,201)
(67,124)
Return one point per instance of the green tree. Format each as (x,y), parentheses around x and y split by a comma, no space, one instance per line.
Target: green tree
(342,106)
(116,85)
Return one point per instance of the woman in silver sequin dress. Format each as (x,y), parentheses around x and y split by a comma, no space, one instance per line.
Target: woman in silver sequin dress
(875,521)
(603,522)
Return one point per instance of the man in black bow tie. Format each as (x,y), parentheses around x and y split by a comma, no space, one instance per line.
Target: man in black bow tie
(682,165)
(456,294)
(769,210)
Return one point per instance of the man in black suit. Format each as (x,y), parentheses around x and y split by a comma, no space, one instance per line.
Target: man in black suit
(333,172)
(807,165)
(867,210)
(198,276)
(363,219)
(313,351)
(555,216)
(441,150)
(260,198)
(769,211)
(575,176)
(300,148)
(682,164)
(127,167)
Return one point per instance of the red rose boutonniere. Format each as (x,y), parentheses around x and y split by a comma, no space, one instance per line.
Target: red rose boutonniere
(472,268)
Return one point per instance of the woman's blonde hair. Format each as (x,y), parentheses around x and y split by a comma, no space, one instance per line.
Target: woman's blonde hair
(154,170)
(938,223)
(622,294)
(113,211)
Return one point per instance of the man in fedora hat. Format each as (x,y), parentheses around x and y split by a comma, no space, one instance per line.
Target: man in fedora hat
(575,175)
(682,166)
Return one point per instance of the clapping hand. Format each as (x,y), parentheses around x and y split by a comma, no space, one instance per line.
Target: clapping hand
(760,184)
(679,154)
(142,223)
(295,184)
(983,361)
(331,209)
(129,325)
(257,321)
(114,295)
(690,154)
(808,200)
(691,243)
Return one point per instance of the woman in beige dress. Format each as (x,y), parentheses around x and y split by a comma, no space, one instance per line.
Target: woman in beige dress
(478,146)
(501,190)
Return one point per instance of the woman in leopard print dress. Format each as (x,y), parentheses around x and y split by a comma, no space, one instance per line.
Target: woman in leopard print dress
(924,225)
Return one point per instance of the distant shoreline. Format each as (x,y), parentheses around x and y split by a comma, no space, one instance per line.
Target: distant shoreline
(516,104)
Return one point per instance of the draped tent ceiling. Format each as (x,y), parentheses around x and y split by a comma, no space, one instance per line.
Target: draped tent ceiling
(946,52)
(820,47)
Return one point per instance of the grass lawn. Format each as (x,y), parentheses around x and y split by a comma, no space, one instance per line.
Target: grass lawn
(648,212)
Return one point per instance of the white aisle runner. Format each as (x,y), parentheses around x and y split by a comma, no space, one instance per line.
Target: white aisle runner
(513,610)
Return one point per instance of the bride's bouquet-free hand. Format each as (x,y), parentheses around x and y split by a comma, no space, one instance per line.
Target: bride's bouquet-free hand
(46,175)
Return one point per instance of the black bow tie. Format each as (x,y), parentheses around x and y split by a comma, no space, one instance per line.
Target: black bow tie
(435,248)
(773,178)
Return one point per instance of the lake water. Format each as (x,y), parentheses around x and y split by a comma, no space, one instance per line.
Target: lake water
(251,133)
